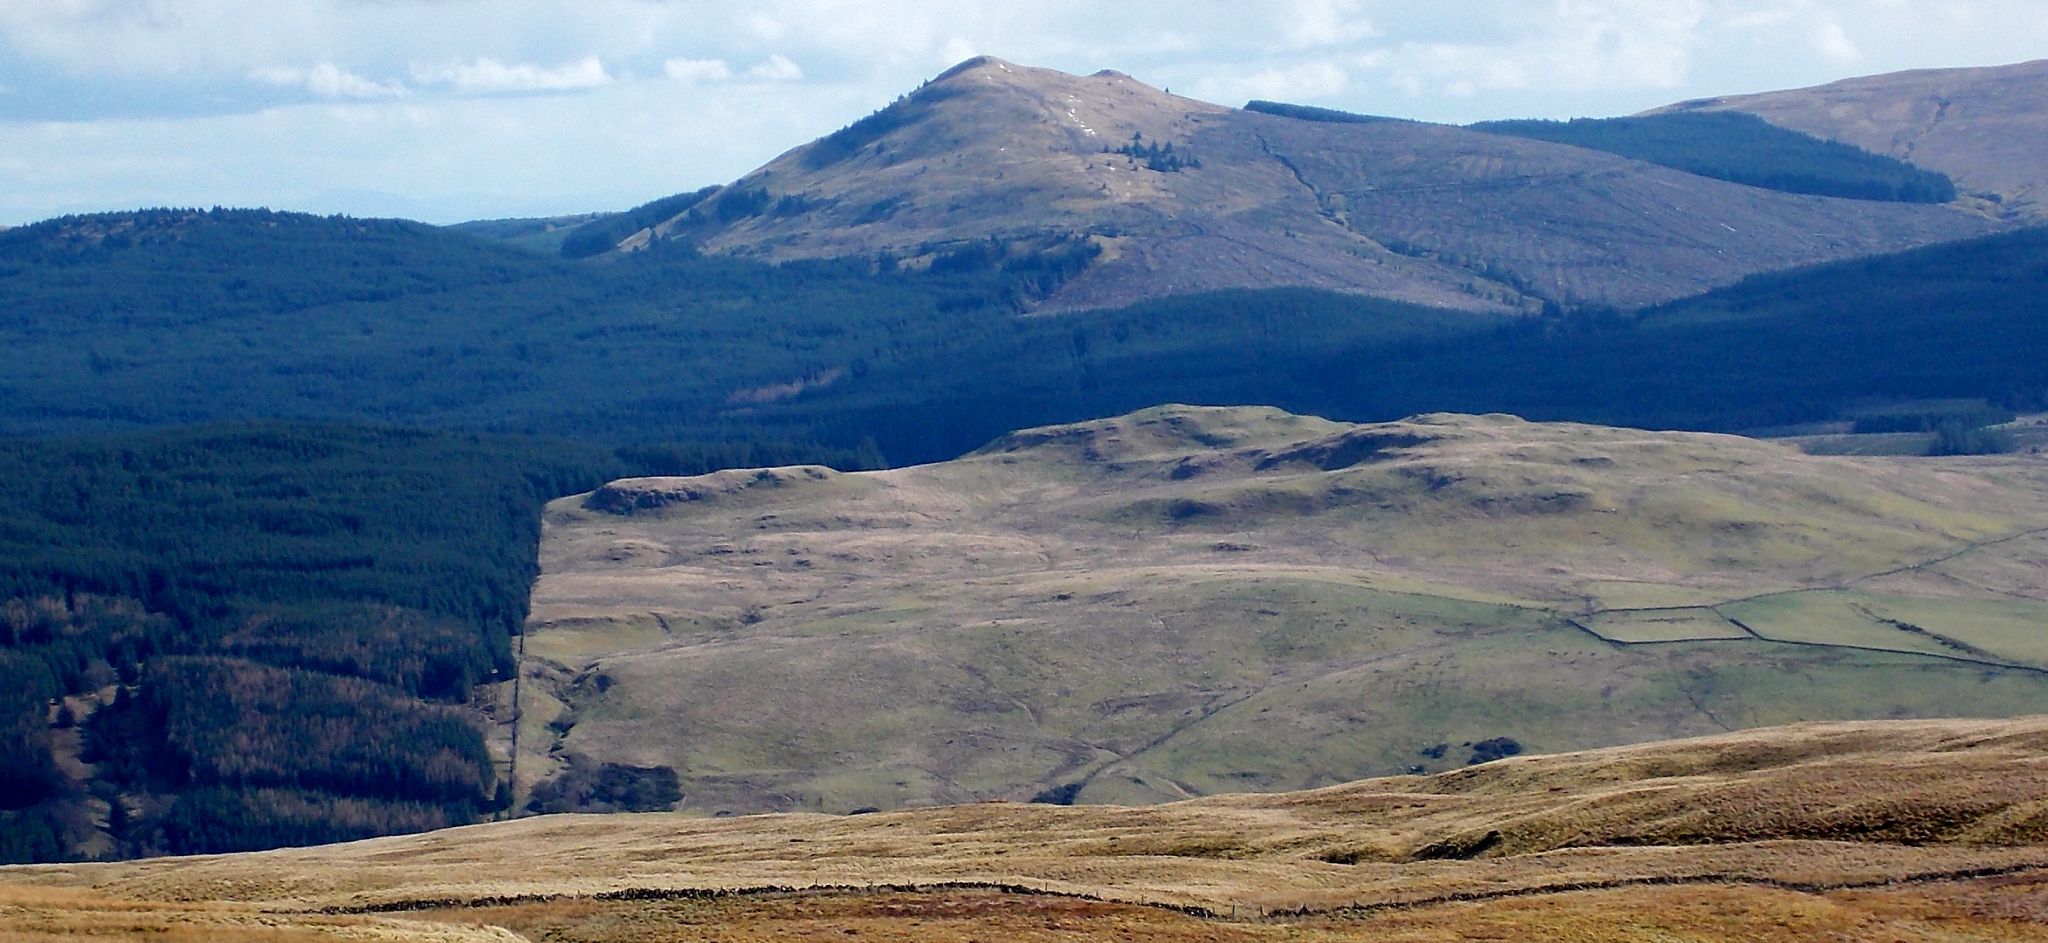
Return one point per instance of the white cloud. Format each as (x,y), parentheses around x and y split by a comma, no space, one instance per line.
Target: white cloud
(775,68)
(328,80)
(488,75)
(957,49)
(1834,42)
(1310,81)
(767,27)
(455,157)
(20,13)
(1566,46)
(1311,24)
(697,70)
(418,76)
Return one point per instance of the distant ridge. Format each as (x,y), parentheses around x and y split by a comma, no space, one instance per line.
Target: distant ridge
(1166,195)
(1312,113)
(1985,127)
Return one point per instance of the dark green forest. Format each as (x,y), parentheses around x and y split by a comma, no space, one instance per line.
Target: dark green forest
(1961,321)
(1312,113)
(348,320)
(273,480)
(1742,148)
(603,234)
(280,624)
(1725,145)
(167,317)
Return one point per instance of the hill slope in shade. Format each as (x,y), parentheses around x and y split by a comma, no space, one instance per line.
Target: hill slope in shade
(1190,601)
(1925,830)
(162,317)
(1175,196)
(1983,127)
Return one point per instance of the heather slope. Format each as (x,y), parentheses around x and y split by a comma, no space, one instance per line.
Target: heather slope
(1166,195)
(1927,830)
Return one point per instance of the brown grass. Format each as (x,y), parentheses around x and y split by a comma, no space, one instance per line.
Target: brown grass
(1926,830)
(1984,910)
(63,915)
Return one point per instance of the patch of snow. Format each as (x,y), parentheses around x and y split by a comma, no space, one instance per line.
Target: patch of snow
(1073,106)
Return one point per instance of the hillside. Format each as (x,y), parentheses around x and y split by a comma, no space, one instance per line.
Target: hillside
(1188,601)
(234,637)
(162,317)
(1960,320)
(1166,195)
(248,315)
(1743,148)
(1983,127)
(539,234)
(1920,831)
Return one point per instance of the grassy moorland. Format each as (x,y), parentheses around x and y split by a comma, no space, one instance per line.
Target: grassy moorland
(1191,601)
(1922,830)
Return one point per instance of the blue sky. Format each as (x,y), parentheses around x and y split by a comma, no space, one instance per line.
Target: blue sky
(460,109)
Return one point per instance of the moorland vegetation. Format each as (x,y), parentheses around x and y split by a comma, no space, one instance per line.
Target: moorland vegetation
(274,480)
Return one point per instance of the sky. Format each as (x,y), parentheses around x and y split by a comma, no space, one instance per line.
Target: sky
(446,110)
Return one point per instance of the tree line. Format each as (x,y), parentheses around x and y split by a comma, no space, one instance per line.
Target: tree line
(271,632)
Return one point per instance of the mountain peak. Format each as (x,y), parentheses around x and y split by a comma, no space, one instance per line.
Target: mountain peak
(1130,192)
(976,64)
(987,71)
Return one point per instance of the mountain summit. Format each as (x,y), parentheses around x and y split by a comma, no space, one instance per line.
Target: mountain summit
(1166,195)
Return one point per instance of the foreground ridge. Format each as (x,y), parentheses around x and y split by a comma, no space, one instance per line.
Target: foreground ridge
(1861,819)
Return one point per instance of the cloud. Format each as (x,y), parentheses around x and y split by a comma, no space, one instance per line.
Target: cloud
(1314,80)
(328,80)
(458,157)
(767,27)
(957,49)
(488,76)
(1571,45)
(1834,43)
(775,68)
(112,96)
(1311,24)
(697,70)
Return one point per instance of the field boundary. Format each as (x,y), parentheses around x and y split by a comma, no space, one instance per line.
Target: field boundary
(759,890)
(1542,890)
(1221,912)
